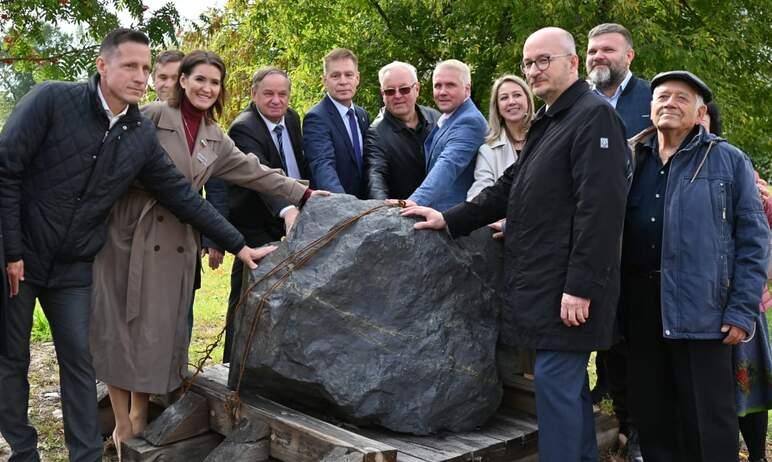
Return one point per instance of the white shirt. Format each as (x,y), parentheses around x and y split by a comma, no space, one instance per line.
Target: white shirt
(113,117)
(289,154)
(343,110)
(444,117)
(613,99)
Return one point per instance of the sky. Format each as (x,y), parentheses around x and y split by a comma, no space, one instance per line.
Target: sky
(188,9)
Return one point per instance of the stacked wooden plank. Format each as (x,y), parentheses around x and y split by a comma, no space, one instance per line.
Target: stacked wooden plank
(199,427)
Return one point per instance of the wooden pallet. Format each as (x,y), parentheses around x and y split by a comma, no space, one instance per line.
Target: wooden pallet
(198,427)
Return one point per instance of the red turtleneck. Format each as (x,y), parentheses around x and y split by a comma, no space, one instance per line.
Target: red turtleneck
(191,120)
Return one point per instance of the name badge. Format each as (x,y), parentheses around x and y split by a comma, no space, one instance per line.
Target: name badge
(604,143)
(201,158)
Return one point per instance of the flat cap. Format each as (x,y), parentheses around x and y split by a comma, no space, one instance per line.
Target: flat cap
(684,76)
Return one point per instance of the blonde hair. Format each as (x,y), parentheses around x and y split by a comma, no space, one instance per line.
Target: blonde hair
(495,122)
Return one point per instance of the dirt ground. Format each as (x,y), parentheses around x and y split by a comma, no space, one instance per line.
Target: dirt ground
(46,414)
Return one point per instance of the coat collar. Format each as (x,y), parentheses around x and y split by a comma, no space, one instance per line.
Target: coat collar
(132,114)
(565,100)
(171,119)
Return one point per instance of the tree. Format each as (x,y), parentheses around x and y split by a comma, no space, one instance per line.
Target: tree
(32,41)
(726,43)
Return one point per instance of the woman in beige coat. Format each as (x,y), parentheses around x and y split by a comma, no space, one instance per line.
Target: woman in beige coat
(144,276)
(509,116)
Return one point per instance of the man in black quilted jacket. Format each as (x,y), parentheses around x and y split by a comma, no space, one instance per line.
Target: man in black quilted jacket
(67,153)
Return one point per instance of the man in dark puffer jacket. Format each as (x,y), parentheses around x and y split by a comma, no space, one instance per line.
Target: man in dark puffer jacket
(67,153)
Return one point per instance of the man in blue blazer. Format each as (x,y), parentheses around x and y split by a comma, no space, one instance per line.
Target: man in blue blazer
(452,145)
(334,129)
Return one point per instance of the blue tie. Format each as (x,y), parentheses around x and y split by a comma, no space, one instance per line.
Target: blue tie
(352,123)
(290,164)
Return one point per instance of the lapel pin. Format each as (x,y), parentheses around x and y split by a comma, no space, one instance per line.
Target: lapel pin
(203,142)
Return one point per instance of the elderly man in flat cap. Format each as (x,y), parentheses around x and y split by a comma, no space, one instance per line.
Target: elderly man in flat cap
(693,263)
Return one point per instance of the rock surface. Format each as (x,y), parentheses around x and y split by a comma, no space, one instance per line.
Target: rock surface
(385,325)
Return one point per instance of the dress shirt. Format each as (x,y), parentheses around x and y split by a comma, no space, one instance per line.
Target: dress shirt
(444,117)
(613,99)
(644,220)
(343,110)
(113,117)
(287,153)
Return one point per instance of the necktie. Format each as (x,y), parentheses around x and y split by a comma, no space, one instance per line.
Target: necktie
(289,162)
(352,123)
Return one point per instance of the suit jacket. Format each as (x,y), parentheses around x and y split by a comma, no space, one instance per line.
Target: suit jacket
(329,151)
(633,106)
(252,213)
(450,153)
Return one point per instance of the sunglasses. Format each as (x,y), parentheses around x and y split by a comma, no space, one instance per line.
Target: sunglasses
(401,90)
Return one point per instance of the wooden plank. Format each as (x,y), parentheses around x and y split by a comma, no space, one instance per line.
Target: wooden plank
(403,457)
(295,437)
(416,450)
(248,441)
(186,418)
(191,450)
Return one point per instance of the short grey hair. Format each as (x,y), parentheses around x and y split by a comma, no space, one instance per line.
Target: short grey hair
(611,28)
(463,69)
(397,65)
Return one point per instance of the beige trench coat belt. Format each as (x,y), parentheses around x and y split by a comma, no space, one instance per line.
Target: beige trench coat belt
(136,263)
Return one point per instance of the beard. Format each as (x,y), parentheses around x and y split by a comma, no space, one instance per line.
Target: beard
(607,76)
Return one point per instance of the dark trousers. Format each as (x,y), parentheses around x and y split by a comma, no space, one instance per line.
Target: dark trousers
(681,392)
(237,277)
(564,407)
(67,311)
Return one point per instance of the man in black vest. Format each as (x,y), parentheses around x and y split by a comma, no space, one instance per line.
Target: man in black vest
(269,129)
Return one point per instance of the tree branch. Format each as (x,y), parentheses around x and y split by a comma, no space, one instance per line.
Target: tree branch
(51,58)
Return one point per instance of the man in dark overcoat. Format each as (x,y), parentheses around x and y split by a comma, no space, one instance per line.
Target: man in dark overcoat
(564,201)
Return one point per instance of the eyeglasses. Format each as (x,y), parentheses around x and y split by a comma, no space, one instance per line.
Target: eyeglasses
(542,62)
(401,90)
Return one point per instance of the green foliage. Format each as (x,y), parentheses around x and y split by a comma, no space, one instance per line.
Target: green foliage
(726,43)
(32,40)
(41,331)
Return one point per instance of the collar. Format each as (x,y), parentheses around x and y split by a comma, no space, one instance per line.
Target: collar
(565,100)
(343,110)
(445,116)
(270,125)
(113,117)
(398,125)
(619,89)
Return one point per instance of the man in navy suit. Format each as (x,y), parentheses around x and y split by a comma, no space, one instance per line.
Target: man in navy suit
(452,145)
(609,55)
(334,128)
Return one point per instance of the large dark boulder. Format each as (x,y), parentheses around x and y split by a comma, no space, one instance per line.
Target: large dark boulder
(385,325)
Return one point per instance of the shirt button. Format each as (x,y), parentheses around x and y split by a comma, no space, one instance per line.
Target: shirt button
(180,249)
(125,127)
(657,196)
(157,248)
(160,218)
(653,246)
(653,219)
(667,331)
(661,172)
